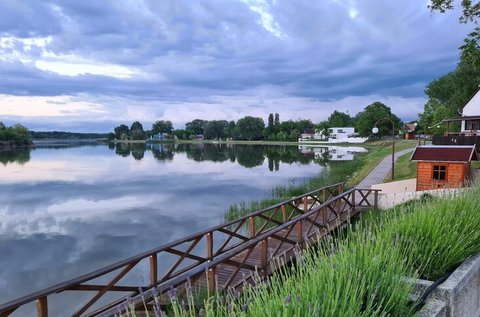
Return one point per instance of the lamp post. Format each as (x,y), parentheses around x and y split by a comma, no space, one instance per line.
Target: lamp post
(375,130)
(419,140)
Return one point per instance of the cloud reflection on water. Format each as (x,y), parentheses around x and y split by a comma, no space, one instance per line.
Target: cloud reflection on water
(68,211)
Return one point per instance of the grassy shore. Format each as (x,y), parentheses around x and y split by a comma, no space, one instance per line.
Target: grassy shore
(260,142)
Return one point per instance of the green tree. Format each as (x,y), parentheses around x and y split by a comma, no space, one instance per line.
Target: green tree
(470,52)
(470,9)
(368,118)
(447,95)
(196,126)
(162,126)
(121,130)
(230,129)
(22,135)
(249,128)
(340,119)
(304,126)
(324,127)
(215,129)
(270,121)
(277,119)
(136,131)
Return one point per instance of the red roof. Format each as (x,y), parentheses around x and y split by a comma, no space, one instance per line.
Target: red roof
(445,153)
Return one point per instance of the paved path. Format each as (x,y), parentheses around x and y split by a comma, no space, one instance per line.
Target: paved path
(381,171)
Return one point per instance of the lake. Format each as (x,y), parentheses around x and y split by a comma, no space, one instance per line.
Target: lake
(67,210)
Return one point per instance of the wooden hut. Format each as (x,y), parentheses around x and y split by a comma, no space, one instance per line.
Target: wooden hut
(443,166)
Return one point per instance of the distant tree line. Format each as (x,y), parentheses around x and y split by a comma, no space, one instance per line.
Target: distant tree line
(254,128)
(66,135)
(16,135)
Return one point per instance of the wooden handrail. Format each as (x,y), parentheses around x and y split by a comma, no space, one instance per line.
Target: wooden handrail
(208,260)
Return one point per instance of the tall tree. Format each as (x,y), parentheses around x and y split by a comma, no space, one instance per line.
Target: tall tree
(448,94)
(136,131)
(215,129)
(162,126)
(277,119)
(340,119)
(230,129)
(249,128)
(369,117)
(196,126)
(270,121)
(122,131)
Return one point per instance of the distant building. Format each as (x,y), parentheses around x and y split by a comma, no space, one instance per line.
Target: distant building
(156,137)
(334,135)
(443,166)
(332,153)
(409,131)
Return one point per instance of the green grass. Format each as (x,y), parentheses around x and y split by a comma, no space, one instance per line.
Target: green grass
(404,169)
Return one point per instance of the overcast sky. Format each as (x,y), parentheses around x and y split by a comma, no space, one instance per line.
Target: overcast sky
(89,65)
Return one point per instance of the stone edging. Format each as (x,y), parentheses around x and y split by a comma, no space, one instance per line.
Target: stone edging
(458,296)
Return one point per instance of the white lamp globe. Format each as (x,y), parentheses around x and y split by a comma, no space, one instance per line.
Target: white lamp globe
(375,130)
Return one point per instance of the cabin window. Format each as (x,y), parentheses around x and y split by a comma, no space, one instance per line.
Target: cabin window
(472,125)
(439,172)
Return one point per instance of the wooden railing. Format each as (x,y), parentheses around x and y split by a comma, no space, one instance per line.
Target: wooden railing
(246,245)
(457,140)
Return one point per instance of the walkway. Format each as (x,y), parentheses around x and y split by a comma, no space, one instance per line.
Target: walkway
(380,172)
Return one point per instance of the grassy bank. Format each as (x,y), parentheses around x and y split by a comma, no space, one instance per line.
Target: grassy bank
(378,150)
(404,169)
(362,273)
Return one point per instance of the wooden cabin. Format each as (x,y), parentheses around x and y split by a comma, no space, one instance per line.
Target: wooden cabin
(409,131)
(443,166)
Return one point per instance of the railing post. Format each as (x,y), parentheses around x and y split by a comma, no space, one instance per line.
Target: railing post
(299,232)
(211,271)
(252,226)
(305,204)
(375,201)
(42,307)
(353,200)
(264,256)
(324,209)
(284,213)
(211,281)
(153,270)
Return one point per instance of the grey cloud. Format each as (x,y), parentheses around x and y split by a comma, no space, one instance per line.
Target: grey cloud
(188,52)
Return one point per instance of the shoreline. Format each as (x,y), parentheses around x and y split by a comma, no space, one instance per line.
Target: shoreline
(241,142)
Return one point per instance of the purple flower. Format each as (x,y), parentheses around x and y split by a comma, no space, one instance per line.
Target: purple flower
(288,300)
(172,294)
(154,291)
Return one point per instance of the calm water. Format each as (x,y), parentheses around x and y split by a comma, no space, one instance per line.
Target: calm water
(69,210)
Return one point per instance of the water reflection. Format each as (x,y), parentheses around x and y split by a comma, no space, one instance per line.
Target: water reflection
(67,211)
(248,156)
(332,153)
(20,156)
